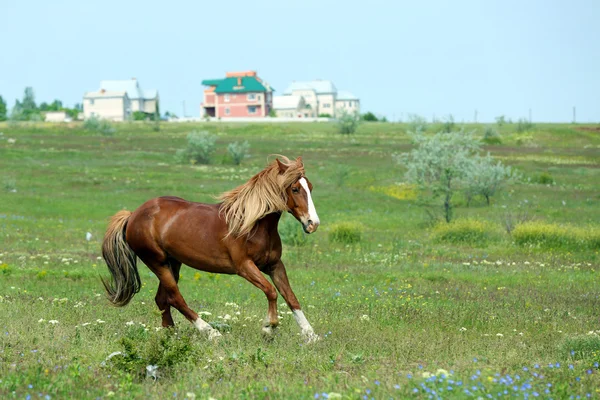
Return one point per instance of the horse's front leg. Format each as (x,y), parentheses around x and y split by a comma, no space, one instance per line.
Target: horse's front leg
(280,279)
(252,274)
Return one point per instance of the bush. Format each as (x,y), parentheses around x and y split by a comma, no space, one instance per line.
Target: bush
(500,120)
(101,126)
(346,233)
(291,232)
(582,347)
(348,122)
(199,150)
(485,177)
(542,234)
(139,116)
(524,125)
(164,349)
(465,231)
(416,123)
(544,179)
(369,117)
(324,115)
(491,136)
(238,151)
(448,125)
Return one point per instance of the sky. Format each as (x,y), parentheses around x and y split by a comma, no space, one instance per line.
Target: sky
(434,58)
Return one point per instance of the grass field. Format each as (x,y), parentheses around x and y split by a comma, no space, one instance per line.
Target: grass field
(412,309)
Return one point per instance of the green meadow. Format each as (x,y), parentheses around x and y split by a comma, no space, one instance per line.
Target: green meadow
(503,302)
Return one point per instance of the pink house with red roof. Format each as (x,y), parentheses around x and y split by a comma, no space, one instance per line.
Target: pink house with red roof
(240,94)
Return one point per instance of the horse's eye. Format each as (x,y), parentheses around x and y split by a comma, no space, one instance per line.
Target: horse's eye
(295,190)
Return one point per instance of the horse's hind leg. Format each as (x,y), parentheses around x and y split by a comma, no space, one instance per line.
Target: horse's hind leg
(161,298)
(169,290)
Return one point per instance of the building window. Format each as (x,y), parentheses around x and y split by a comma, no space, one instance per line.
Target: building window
(226,97)
(326,105)
(251,97)
(227,111)
(91,102)
(251,109)
(259,98)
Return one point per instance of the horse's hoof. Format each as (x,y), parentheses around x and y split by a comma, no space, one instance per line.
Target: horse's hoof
(311,337)
(214,334)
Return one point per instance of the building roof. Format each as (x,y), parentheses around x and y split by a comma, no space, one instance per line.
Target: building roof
(132,87)
(104,94)
(242,84)
(345,95)
(319,86)
(286,102)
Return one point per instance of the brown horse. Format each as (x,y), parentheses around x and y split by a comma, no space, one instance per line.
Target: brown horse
(237,236)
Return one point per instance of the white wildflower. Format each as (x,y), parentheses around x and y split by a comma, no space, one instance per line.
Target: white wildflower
(463,329)
(365,317)
(499,335)
(129,323)
(53,322)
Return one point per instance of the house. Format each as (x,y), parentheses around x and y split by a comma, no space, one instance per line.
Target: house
(57,116)
(291,107)
(119,99)
(323,97)
(111,105)
(239,94)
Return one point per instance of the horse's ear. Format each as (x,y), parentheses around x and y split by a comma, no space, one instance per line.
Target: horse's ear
(299,161)
(282,167)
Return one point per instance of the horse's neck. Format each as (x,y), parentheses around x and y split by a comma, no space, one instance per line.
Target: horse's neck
(269,222)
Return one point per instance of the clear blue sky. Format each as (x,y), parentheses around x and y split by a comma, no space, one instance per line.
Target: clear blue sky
(432,57)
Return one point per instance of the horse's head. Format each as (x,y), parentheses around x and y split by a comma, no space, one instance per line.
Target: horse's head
(299,200)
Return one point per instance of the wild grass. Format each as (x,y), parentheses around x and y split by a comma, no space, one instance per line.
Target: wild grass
(401,313)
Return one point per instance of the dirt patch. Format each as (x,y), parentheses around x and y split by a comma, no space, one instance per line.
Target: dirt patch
(588,128)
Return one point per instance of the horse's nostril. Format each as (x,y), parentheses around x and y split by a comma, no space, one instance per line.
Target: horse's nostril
(310,222)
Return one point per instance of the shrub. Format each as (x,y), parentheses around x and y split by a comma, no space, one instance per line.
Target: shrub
(416,123)
(439,164)
(164,349)
(544,179)
(465,231)
(369,117)
(346,233)
(448,125)
(542,234)
(238,151)
(291,232)
(348,122)
(524,125)
(485,177)
(582,347)
(101,126)
(199,150)
(491,136)
(324,115)
(500,120)
(139,116)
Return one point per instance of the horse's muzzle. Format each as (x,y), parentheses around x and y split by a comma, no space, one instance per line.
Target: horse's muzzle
(310,226)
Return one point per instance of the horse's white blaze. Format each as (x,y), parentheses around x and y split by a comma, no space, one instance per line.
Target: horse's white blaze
(312,212)
(303,322)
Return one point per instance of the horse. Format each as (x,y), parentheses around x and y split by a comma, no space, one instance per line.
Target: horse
(236,236)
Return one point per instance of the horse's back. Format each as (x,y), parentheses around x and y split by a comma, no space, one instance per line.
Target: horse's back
(177,228)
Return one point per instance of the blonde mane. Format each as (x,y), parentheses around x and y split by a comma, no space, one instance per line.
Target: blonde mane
(263,194)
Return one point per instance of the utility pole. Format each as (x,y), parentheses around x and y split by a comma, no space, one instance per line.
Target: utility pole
(475,115)
(574,115)
(183,109)
(530,115)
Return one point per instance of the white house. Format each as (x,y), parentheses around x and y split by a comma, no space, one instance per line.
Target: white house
(56,116)
(323,97)
(291,107)
(111,105)
(119,99)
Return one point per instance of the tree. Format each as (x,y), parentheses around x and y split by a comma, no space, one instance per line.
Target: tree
(2,109)
(416,123)
(439,163)
(369,117)
(485,177)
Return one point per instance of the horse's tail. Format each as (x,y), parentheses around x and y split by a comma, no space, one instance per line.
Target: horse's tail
(121,262)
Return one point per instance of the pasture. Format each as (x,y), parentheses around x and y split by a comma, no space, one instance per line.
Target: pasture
(406,310)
